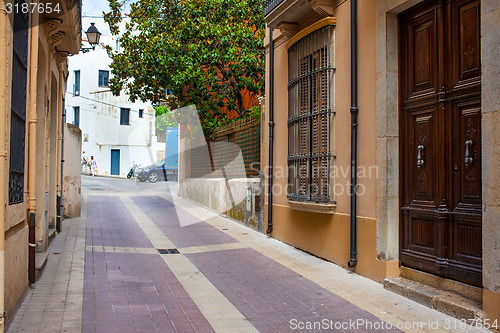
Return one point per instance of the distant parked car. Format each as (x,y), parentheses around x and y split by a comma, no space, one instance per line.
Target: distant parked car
(155,172)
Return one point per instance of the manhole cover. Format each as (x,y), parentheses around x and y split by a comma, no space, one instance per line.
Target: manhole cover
(168,251)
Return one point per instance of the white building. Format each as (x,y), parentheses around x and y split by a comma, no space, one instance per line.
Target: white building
(115,131)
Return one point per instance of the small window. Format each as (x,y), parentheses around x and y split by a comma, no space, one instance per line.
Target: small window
(141,113)
(124,116)
(76,85)
(103,78)
(76,113)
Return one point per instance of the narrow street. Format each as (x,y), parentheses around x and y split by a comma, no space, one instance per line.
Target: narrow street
(142,259)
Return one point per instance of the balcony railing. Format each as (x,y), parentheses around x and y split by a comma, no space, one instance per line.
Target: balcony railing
(270,5)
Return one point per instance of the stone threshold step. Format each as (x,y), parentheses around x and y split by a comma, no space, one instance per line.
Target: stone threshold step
(42,257)
(51,232)
(41,260)
(452,304)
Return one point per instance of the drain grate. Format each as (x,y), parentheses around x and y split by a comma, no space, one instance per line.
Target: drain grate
(168,251)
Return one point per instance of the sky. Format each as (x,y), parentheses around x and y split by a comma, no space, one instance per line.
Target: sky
(92,12)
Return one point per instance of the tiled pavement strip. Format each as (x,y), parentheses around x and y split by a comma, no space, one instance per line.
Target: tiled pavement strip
(235,280)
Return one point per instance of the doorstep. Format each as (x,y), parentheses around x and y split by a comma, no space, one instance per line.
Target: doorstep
(450,303)
(40,261)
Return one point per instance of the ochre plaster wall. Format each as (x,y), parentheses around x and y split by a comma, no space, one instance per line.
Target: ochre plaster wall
(16,274)
(327,236)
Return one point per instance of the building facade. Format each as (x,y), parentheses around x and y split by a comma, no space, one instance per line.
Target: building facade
(116,131)
(33,73)
(414,112)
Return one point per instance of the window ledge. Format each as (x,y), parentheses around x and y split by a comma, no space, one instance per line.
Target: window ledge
(323,208)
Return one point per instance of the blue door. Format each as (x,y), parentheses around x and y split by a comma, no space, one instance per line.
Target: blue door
(115,162)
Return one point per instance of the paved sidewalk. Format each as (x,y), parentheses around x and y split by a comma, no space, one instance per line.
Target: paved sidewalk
(129,266)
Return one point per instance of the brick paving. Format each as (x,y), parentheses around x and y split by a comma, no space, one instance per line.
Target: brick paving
(104,274)
(131,292)
(270,295)
(194,233)
(109,223)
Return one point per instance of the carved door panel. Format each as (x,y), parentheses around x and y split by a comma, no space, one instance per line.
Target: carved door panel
(465,109)
(440,184)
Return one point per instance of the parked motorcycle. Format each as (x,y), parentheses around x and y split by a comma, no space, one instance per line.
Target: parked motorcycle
(131,173)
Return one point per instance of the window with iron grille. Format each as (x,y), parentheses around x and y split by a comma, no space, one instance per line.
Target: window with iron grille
(18,106)
(310,116)
(103,78)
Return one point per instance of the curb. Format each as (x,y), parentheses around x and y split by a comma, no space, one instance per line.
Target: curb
(108,176)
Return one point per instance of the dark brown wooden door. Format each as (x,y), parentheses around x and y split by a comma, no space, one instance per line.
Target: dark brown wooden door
(440,139)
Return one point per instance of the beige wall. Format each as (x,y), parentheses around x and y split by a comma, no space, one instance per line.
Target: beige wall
(16,263)
(490,108)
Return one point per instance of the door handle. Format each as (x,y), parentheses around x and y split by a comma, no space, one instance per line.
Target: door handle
(420,161)
(468,160)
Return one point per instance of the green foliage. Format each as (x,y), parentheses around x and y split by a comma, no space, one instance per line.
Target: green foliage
(164,118)
(255,112)
(208,53)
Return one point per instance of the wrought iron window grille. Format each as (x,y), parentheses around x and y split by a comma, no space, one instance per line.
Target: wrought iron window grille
(18,106)
(310,116)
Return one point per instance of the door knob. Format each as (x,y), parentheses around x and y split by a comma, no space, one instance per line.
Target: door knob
(420,161)
(468,160)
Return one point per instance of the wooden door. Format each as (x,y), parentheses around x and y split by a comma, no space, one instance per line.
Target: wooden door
(440,139)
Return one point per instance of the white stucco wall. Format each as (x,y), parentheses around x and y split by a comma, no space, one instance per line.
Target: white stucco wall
(72,179)
(100,115)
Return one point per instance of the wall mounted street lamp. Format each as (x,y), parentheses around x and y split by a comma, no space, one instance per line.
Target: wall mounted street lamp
(93,36)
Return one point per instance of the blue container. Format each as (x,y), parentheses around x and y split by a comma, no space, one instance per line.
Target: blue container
(172,149)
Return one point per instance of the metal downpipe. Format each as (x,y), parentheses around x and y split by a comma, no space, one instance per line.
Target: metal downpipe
(271,134)
(32,165)
(60,203)
(354,130)
(4,108)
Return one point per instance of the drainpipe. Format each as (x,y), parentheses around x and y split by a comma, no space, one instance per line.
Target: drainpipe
(60,124)
(63,121)
(271,133)
(4,91)
(32,120)
(5,86)
(354,129)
